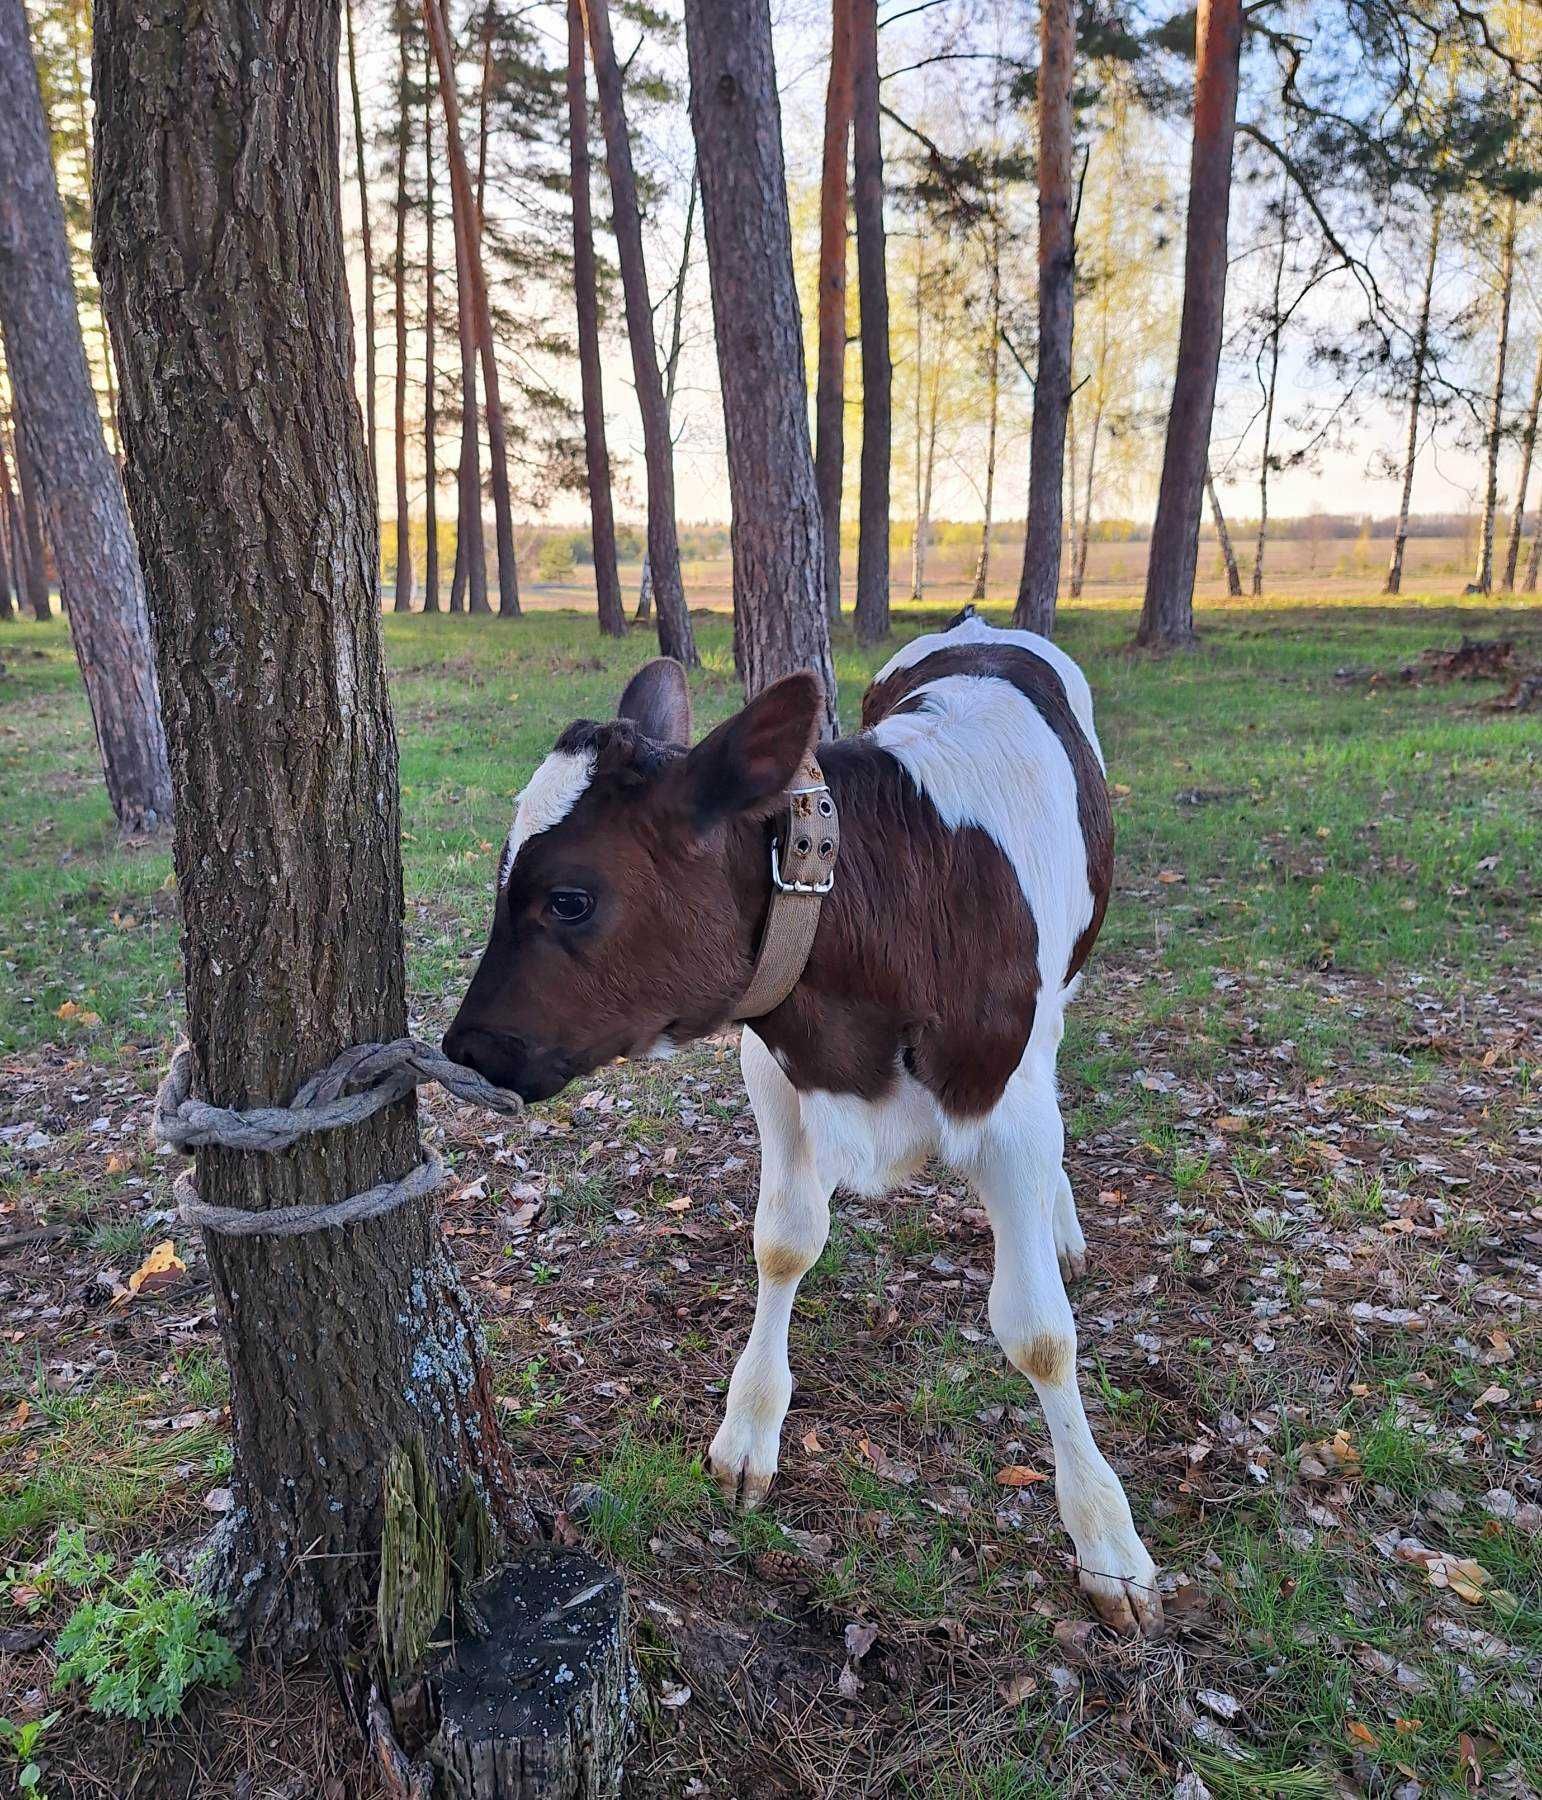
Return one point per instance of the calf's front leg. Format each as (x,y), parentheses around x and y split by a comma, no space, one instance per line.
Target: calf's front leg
(792,1221)
(1018,1174)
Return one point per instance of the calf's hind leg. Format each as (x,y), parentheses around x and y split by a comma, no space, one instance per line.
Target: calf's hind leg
(1018,1171)
(792,1221)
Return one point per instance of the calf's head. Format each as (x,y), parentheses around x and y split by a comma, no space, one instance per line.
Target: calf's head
(632,887)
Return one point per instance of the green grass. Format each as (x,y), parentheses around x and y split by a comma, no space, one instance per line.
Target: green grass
(1312,820)
(643,1489)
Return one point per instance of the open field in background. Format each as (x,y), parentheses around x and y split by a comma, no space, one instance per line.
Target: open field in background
(1305,1120)
(1296,568)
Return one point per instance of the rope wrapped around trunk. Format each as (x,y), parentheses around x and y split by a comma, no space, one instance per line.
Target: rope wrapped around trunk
(352,1088)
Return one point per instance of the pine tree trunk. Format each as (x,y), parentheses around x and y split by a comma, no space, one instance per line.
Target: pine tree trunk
(993,390)
(1529,585)
(1072,464)
(915,510)
(924,519)
(56,408)
(246,452)
(1040,584)
(1085,537)
(780,623)
(671,373)
(1271,388)
(1483,575)
(676,638)
(1523,478)
(469,237)
(34,543)
(403,600)
(1223,538)
(470,575)
(11,545)
(1394,581)
(607,579)
(430,406)
(361,176)
(1167,616)
(830,381)
(870,615)
(7,603)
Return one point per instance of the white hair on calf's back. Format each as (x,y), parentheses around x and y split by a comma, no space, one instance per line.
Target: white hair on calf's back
(548,797)
(983,755)
(975,630)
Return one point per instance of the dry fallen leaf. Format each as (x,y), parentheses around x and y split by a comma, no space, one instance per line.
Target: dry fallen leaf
(1017,1689)
(887,1467)
(1169,877)
(1018,1475)
(860,1638)
(161,1268)
(1361,1734)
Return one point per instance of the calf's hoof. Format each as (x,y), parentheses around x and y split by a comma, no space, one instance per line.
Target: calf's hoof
(1128,1604)
(742,1465)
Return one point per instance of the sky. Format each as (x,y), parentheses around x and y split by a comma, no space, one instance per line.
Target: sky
(1350,473)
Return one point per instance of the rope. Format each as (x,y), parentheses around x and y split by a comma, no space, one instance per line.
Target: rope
(352,1088)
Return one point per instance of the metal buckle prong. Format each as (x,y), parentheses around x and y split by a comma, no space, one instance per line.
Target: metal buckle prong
(783,886)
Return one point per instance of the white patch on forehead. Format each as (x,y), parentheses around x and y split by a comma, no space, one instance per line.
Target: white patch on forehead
(550,795)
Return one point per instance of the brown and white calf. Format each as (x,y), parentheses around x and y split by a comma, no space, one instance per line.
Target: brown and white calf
(974,869)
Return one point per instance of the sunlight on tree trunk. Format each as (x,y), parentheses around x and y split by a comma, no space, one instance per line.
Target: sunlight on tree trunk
(1483,576)
(870,614)
(1421,346)
(1040,584)
(1223,539)
(676,638)
(830,384)
(463,208)
(780,624)
(1167,616)
(602,521)
(59,434)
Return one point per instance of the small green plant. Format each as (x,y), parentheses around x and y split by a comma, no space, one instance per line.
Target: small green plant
(138,1642)
(20,1743)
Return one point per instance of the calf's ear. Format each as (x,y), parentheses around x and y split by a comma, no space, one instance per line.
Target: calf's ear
(750,760)
(658,702)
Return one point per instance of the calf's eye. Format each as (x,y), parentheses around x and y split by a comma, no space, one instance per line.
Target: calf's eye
(569,906)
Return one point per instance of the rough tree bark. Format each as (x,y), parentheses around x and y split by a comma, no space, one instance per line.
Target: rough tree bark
(870,615)
(602,518)
(830,378)
(10,532)
(1394,581)
(1523,477)
(1223,538)
(676,638)
(361,176)
(780,624)
(30,511)
(403,599)
(468,236)
(917,551)
(58,419)
(1167,615)
(470,576)
(430,399)
(1040,584)
(1483,576)
(249,485)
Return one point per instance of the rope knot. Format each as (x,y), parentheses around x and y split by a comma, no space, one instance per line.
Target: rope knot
(353,1087)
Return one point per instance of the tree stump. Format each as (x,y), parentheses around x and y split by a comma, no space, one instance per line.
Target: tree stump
(537,1704)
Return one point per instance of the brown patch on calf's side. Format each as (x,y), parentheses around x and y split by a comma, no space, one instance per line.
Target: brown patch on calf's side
(926,956)
(1038,682)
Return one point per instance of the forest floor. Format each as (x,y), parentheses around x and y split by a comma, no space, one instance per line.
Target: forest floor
(1305,1132)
